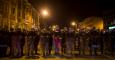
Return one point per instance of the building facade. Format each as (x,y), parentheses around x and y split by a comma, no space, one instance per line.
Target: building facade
(93,21)
(18,14)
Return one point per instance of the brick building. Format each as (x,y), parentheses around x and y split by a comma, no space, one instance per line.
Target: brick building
(18,14)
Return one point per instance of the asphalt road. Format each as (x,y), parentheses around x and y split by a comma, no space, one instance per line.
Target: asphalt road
(58,58)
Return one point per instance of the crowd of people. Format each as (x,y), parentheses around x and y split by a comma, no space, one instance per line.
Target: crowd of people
(66,41)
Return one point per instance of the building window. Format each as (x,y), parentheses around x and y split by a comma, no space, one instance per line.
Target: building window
(19,13)
(23,15)
(1,7)
(13,11)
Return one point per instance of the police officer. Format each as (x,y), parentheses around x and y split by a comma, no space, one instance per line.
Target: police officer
(44,42)
(3,43)
(30,43)
(70,41)
(57,41)
(82,42)
(93,41)
(36,42)
(63,40)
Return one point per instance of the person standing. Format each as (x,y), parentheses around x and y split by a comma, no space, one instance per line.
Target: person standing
(112,42)
(15,44)
(82,42)
(50,41)
(70,41)
(63,40)
(23,34)
(93,41)
(36,42)
(19,38)
(57,42)
(3,43)
(30,44)
(44,42)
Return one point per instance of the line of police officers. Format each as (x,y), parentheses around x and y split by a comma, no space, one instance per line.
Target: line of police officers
(62,41)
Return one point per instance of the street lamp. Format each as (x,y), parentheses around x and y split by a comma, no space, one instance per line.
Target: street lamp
(73,23)
(45,12)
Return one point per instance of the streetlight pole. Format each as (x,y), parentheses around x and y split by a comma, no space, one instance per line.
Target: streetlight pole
(44,15)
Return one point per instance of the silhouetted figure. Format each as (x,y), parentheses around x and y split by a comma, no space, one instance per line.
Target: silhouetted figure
(101,42)
(22,42)
(112,42)
(44,40)
(57,42)
(70,41)
(3,43)
(93,41)
(82,42)
(37,38)
(50,42)
(30,44)
(63,41)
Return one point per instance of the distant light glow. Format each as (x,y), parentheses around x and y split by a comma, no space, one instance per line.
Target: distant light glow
(112,27)
(53,27)
(73,23)
(45,12)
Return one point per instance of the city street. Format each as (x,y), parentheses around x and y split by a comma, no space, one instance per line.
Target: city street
(78,58)
(57,30)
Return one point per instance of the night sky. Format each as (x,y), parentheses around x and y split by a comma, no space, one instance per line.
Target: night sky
(62,11)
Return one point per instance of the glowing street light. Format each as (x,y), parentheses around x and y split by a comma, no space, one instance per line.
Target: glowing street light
(45,13)
(73,23)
